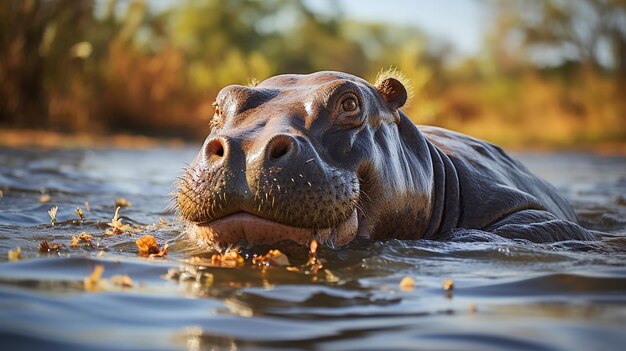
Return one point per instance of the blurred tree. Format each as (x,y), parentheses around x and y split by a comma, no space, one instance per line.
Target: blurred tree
(35,37)
(552,70)
(592,32)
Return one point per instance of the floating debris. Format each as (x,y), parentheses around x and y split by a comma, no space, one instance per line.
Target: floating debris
(448,285)
(116,224)
(92,281)
(123,281)
(15,255)
(314,263)
(45,246)
(199,261)
(53,214)
(330,276)
(80,213)
(122,202)
(407,284)
(44,198)
(229,259)
(100,254)
(313,247)
(272,258)
(87,207)
(82,237)
(147,246)
(472,309)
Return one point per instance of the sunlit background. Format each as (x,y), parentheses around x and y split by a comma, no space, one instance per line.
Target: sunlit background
(519,73)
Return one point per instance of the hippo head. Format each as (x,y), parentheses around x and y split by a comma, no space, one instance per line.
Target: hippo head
(324,156)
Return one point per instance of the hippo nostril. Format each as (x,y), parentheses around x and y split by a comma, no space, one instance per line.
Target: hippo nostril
(215,148)
(279,147)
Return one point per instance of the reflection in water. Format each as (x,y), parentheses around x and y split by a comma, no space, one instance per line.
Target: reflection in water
(507,294)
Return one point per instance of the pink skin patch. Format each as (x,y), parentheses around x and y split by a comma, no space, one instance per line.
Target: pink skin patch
(257,230)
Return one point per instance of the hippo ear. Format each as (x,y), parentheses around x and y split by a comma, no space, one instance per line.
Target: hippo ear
(393,91)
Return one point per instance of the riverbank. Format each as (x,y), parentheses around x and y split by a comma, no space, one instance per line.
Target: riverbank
(49,139)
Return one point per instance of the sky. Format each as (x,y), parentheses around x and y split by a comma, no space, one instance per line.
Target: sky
(460,22)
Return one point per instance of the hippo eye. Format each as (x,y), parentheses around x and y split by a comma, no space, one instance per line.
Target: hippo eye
(349,110)
(349,104)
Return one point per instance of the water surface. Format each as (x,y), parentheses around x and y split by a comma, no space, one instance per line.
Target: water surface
(511,295)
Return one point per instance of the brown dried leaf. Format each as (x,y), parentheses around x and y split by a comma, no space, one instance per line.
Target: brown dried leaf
(123,281)
(273,257)
(82,237)
(407,284)
(15,255)
(45,246)
(228,259)
(161,253)
(147,245)
(313,247)
(314,263)
(330,277)
(122,202)
(92,281)
(448,285)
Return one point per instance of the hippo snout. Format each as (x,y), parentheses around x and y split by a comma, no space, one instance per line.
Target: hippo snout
(267,189)
(279,148)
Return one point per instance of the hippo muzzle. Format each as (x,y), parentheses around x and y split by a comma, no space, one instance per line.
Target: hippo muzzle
(268,190)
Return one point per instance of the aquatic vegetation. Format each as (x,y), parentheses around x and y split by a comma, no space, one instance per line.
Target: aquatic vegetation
(80,214)
(117,227)
(53,214)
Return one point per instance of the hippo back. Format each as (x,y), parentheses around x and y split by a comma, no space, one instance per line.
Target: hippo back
(492,184)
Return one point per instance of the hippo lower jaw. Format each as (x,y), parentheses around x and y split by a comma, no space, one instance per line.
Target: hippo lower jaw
(252,229)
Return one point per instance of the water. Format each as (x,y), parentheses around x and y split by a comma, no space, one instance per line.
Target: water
(509,295)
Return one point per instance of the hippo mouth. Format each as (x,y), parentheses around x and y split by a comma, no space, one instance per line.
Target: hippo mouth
(243,226)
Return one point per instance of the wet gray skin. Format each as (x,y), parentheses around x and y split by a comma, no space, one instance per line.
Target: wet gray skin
(328,156)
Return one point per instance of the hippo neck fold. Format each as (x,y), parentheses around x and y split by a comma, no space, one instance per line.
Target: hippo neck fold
(444,196)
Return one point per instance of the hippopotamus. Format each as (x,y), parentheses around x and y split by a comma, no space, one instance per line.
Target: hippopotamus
(330,157)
